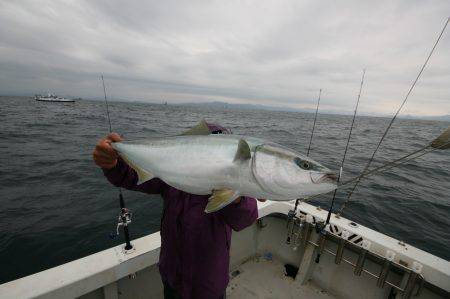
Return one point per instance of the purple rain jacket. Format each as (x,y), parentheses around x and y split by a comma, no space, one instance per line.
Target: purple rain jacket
(195,246)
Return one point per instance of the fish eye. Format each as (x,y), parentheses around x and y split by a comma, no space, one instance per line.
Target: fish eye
(303,164)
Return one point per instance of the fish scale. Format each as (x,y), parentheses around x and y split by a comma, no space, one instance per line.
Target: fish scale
(226,166)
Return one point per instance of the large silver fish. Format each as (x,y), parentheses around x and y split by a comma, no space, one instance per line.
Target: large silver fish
(227,166)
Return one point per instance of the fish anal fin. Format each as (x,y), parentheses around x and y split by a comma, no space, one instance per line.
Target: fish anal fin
(220,199)
(143,175)
(243,151)
(200,129)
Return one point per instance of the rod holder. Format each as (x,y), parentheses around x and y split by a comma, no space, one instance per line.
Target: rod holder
(321,243)
(412,279)
(306,233)
(390,255)
(290,226)
(298,232)
(384,273)
(410,285)
(365,246)
(340,249)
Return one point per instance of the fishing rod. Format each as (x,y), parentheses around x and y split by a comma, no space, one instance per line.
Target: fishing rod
(439,143)
(395,115)
(314,124)
(346,147)
(125,215)
(293,212)
(322,227)
(442,142)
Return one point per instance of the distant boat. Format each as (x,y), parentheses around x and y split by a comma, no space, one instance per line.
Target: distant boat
(52,98)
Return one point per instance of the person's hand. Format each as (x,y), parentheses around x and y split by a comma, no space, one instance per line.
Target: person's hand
(104,155)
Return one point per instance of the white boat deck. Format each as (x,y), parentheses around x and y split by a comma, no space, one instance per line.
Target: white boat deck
(114,274)
(261,278)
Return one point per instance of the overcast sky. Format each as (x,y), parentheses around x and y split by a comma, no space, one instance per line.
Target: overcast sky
(261,52)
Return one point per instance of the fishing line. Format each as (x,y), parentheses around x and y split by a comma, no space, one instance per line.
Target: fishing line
(400,161)
(346,146)
(314,124)
(292,213)
(311,138)
(107,106)
(442,142)
(398,110)
(321,228)
(125,215)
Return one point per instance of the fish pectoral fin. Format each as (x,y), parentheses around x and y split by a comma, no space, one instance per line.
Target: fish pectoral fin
(221,198)
(243,151)
(143,175)
(200,129)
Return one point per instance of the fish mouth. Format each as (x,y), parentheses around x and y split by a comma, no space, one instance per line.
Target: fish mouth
(321,177)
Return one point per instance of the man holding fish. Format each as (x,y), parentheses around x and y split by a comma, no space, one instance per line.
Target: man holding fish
(195,245)
(209,180)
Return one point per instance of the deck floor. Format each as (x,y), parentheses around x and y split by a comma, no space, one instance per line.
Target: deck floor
(260,278)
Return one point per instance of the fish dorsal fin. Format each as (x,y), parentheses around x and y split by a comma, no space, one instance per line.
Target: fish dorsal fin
(200,129)
(220,198)
(443,141)
(243,151)
(143,175)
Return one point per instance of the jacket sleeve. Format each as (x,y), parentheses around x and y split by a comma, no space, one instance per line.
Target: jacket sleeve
(241,215)
(122,175)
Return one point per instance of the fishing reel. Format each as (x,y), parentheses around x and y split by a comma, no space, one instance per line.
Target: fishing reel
(124,219)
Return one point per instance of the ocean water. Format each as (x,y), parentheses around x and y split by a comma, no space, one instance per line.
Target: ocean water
(56,206)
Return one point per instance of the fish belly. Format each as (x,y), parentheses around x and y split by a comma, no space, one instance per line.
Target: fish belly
(190,165)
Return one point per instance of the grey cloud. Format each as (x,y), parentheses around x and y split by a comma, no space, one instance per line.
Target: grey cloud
(270,52)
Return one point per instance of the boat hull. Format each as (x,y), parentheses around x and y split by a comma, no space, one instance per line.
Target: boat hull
(134,274)
(56,100)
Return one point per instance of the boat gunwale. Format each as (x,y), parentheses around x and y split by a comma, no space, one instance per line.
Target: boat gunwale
(84,275)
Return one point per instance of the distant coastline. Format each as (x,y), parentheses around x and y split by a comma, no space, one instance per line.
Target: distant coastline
(232,106)
(225,105)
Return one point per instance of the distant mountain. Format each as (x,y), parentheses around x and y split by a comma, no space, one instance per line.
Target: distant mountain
(436,117)
(224,105)
(443,118)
